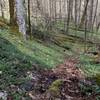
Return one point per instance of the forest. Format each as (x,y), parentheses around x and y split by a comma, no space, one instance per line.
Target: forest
(49,49)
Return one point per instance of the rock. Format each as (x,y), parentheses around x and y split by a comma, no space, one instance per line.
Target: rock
(0,72)
(55,87)
(32,96)
(27,86)
(3,95)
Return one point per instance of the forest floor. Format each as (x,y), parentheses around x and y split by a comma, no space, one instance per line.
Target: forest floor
(38,70)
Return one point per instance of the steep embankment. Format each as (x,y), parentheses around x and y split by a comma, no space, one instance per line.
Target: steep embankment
(18,57)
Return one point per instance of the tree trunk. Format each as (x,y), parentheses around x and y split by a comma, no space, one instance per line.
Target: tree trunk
(12,13)
(84,13)
(76,15)
(68,15)
(2,11)
(29,20)
(20,11)
(91,15)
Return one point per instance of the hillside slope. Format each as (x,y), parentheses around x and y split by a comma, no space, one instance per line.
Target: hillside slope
(18,56)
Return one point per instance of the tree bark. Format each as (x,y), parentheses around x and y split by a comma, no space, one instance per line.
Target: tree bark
(84,13)
(1,5)
(29,20)
(20,11)
(13,21)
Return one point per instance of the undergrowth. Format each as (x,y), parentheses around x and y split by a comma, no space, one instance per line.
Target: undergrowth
(18,56)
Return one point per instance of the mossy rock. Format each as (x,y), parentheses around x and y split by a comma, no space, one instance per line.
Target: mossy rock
(54,89)
(97,78)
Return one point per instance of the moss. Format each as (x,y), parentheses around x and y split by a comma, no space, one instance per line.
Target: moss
(55,87)
(97,78)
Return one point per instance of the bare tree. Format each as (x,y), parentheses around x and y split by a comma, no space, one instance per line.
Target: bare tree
(29,19)
(68,14)
(20,11)
(2,8)
(13,21)
(84,13)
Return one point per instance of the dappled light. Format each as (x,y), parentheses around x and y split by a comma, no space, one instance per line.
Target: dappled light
(49,49)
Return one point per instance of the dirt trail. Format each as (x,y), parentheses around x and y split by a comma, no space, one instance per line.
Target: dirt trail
(71,77)
(62,83)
